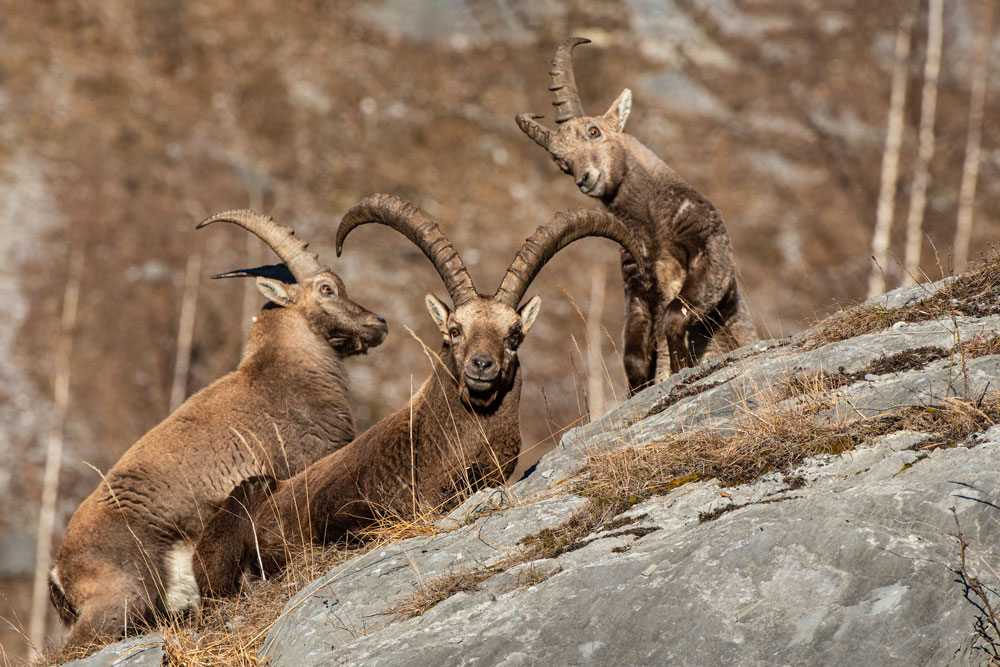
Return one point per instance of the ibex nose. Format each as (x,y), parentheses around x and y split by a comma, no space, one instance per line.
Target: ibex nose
(482,362)
(375,330)
(583,179)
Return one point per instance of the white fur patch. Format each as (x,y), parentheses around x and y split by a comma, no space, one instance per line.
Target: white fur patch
(182,589)
(54,578)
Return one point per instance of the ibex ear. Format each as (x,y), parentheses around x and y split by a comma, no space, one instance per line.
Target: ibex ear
(276,291)
(529,312)
(620,109)
(439,312)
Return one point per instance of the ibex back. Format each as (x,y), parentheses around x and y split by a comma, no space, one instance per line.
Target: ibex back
(694,308)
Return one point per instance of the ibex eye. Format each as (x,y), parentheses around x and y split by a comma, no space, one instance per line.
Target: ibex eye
(593,132)
(454,332)
(326,289)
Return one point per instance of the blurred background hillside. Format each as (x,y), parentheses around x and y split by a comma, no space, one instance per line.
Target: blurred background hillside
(122,124)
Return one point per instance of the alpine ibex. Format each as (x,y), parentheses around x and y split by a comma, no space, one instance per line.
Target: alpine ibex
(127,550)
(694,308)
(460,430)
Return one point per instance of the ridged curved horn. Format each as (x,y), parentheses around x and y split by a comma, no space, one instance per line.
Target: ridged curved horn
(566,98)
(551,238)
(411,222)
(290,250)
(526,121)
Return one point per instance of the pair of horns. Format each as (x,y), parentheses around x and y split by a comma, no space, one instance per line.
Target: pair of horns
(566,97)
(538,248)
(293,252)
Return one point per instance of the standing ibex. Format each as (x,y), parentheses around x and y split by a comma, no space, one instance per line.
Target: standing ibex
(127,550)
(461,429)
(694,308)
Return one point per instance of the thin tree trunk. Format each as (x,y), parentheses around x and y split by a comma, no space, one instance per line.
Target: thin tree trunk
(185,329)
(53,454)
(928,111)
(595,360)
(970,170)
(890,161)
(254,258)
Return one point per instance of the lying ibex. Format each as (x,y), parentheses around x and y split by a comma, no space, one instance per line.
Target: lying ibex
(127,550)
(460,429)
(694,308)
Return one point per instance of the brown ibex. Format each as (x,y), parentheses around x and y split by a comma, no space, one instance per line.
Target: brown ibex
(127,550)
(460,430)
(694,308)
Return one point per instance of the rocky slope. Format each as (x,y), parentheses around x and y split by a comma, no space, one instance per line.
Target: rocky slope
(849,555)
(122,124)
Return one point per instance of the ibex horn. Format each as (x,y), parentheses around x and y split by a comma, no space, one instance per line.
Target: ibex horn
(290,250)
(566,98)
(553,237)
(274,271)
(526,121)
(411,222)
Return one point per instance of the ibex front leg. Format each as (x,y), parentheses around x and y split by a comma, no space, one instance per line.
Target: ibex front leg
(706,283)
(673,320)
(639,347)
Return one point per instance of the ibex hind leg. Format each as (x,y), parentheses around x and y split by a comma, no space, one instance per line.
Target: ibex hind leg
(108,616)
(639,356)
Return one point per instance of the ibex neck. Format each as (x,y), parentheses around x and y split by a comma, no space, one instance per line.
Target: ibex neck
(280,341)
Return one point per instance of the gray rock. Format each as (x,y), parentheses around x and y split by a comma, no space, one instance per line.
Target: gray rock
(354,599)
(143,651)
(858,569)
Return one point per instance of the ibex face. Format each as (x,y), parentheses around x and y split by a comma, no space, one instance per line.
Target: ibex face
(304,285)
(482,337)
(587,147)
(590,149)
(322,299)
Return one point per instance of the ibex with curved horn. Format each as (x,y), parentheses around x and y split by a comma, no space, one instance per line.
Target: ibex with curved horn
(694,308)
(127,550)
(460,429)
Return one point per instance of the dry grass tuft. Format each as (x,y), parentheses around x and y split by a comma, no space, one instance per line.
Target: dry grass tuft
(231,631)
(438,590)
(972,294)
(822,383)
(981,345)
(770,439)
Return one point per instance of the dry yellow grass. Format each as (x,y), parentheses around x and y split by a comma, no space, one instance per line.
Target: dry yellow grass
(769,438)
(973,294)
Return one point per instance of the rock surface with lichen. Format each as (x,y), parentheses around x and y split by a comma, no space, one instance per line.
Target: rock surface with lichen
(850,554)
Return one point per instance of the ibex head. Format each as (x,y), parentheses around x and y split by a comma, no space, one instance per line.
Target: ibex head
(587,147)
(302,284)
(481,334)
